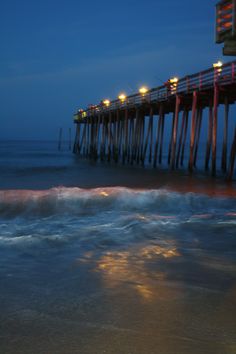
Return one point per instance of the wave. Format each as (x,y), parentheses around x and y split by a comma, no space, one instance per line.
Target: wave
(77,201)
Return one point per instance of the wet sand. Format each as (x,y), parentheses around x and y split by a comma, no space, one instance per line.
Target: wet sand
(141,300)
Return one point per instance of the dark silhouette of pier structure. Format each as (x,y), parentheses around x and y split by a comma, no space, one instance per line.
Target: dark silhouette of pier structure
(131,130)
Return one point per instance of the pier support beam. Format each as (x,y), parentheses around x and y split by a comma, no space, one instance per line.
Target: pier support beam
(162,136)
(158,133)
(76,147)
(171,138)
(214,130)
(232,158)
(102,143)
(181,138)
(209,136)
(109,137)
(225,138)
(193,127)
(175,131)
(148,137)
(185,137)
(126,137)
(198,133)
(151,137)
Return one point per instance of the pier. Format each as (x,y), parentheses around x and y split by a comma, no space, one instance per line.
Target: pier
(131,129)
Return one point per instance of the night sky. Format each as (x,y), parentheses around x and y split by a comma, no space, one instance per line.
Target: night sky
(58,56)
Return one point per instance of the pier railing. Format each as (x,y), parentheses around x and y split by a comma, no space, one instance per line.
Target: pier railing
(204,80)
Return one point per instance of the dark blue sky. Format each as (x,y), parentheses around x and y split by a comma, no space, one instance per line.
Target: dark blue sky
(58,56)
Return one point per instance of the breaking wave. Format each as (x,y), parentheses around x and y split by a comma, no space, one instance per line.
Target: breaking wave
(76,201)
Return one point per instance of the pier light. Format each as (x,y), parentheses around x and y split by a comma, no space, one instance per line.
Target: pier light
(106,102)
(122,97)
(217,70)
(174,80)
(219,64)
(143,90)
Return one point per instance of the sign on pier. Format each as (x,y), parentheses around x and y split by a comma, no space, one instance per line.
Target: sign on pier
(226,25)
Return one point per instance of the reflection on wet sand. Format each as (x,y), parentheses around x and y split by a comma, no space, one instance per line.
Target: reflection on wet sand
(133,267)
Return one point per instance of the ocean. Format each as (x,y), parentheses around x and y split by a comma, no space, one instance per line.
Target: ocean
(102,258)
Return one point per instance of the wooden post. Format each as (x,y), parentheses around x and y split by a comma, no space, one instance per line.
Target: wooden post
(102,144)
(126,136)
(60,139)
(77,139)
(225,141)
(180,137)
(114,130)
(138,137)
(84,139)
(106,137)
(214,131)
(162,135)
(81,141)
(232,158)
(193,126)
(82,144)
(198,133)
(120,136)
(109,137)
(142,128)
(185,137)
(91,137)
(171,138)
(175,131)
(116,136)
(69,146)
(158,132)
(134,137)
(151,135)
(131,133)
(147,135)
(87,137)
(97,140)
(209,136)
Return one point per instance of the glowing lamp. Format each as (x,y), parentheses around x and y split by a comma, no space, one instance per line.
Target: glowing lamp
(143,90)
(174,80)
(218,64)
(122,97)
(107,103)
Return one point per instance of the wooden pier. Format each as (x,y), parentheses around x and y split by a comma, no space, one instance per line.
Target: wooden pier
(131,130)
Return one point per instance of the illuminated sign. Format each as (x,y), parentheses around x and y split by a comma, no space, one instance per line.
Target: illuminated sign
(225,20)
(226,25)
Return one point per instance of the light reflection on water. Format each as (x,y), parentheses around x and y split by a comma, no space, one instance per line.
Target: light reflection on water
(133,268)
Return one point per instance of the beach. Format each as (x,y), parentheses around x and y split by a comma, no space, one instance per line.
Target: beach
(99,258)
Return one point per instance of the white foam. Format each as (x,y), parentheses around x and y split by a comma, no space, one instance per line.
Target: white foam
(61,200)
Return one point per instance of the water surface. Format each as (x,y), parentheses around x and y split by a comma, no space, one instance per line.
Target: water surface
(110,259)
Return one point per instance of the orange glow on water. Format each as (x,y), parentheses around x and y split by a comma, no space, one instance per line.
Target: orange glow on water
(104,194)
(130,267)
